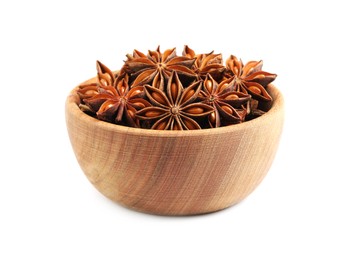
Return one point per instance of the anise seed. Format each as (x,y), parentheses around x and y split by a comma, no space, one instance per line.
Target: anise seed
(212,117)
(188,95)
(152,113)
(255,89)
(232,97)
(174,91)
(139,105)
(195,110)
(161,126)
(227,109)
(208,85)
(189,124)
(158,97)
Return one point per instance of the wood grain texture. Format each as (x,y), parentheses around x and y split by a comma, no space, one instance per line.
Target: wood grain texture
(175,172)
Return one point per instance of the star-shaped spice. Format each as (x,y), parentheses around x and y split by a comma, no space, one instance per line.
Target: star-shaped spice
(175,109)
(104,75)
(208,63)
(88,91)
(118,104)
(156,67)
(229,106)
(250,78)
(161,90)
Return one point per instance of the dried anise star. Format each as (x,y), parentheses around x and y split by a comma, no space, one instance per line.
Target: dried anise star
(156,67)
(228,104)
(174,110)
(165,91)
(105,77)
(118,104)
(86,92)
(208,63)
(250,78)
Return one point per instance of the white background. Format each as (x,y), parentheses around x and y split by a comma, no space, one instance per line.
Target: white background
(50,211)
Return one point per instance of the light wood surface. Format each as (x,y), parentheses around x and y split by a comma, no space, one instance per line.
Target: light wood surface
(175,172)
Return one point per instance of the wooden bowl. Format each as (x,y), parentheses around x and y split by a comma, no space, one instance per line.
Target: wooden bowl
(175,172)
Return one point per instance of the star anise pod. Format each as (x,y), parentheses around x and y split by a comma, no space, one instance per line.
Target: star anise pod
(156,67)
(88,90)
(118,104)
(208,63)
(164,91)
(229,105)
(105,77)
(250,78)
(175,109)
(85,92)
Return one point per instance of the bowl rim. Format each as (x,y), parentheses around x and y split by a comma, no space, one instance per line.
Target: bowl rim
(72,107)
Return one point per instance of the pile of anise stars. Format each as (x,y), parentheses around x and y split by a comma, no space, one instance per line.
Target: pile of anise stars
(164,91)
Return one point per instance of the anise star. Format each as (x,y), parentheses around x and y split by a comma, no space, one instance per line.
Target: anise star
(118,104)
(250,78)
(176,110)
(229,106)
(208,63)
(105,77)
(156,67)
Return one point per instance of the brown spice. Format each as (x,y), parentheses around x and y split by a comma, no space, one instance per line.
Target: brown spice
(176,110)
(160,90)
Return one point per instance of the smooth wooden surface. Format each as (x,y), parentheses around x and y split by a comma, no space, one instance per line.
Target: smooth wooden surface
(175,172)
